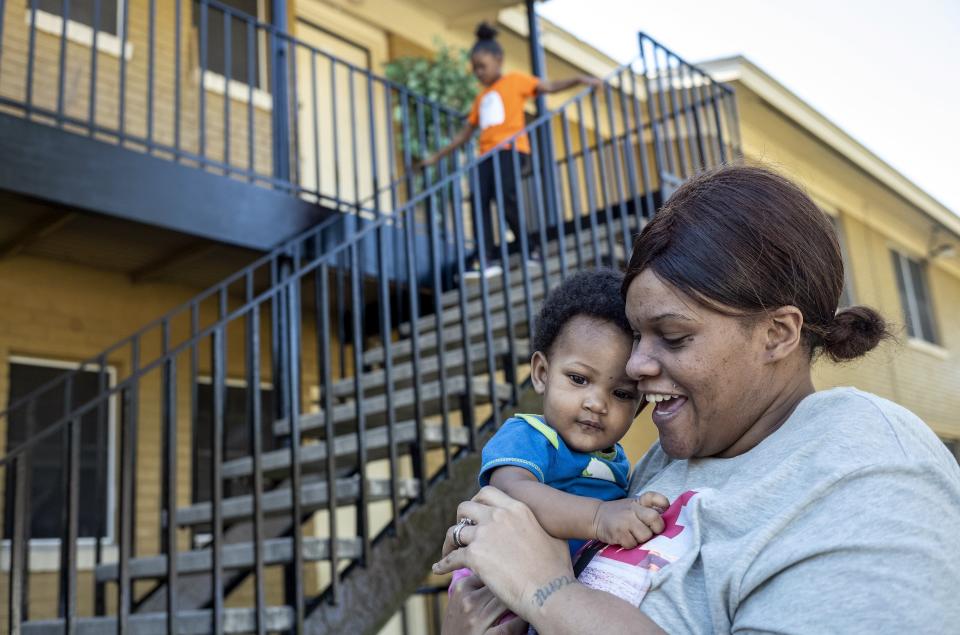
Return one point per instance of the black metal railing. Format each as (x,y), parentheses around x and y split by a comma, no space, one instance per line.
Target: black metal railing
(406,357)
(206,85)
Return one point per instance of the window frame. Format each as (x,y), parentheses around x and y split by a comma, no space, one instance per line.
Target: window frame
(82,34)
(910,301)
(217,83)
(848,287)
(45,552)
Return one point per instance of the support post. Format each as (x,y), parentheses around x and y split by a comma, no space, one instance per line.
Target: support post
(547,154)
(279,51)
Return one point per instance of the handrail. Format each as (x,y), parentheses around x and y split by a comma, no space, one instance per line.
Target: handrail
(289,246)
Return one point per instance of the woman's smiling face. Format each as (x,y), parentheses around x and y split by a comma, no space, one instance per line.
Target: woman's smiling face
(706,368)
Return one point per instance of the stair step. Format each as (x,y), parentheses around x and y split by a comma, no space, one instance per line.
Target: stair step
(197,622)
(452,361)
(235,556)
(313,496)
(452,298)
(452,335)
(377,404)
(315,454)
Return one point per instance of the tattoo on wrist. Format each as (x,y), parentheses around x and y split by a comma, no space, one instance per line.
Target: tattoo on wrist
(544,592)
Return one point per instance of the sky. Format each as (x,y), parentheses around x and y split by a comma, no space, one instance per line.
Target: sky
(885,71)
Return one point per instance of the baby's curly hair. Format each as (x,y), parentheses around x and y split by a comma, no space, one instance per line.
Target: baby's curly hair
(593,293)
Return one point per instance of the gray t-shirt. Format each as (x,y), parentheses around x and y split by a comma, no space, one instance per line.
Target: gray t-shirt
(845,520)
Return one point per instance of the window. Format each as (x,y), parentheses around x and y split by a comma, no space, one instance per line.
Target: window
(47,461)
(846,296)
(914,297)
(239,43)
(82,12)
(236,442)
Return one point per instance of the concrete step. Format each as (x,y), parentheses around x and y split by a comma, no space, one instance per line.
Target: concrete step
(375,406)
(194,622)
(235,556)
(313,496)
(453,361)
(313,456)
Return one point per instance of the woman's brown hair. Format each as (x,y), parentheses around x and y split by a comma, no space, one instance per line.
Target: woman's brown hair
(744,240)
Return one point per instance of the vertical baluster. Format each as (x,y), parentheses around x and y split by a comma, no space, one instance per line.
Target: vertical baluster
(592,203)
(92,88)
(122,19)
(619,194)
(3,10)
(178,27)
(676,113)
(544,223)
(441,237)
(732,119)
(386,337)
(294,107)
(374,154)
(485,287)
(254,418)
(354,156)
(391,150)
(418,450)
(227,78)
(316,125)
(71,508)
(201,88)
(62,70)
(31,55)
(168,525)
(151,64)
(103,474)
(356,309)
(294,570)
(218,387)
(511,357)
(468,401)
(569,158)
(322,287)
(128,474)
(646,183)
(660,157)
(717,92)
(689,84)
(335,130)
(525,273)
(604,182)
(673,163)
(682,111)
(251,82)
(18,582)
(631,167)
(703,102)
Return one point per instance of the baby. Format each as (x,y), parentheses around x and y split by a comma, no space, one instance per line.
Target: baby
(567,464)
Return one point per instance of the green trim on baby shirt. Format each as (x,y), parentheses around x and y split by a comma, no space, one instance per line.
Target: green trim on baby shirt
(540,426)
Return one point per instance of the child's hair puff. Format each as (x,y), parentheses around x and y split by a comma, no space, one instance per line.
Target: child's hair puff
(593,293)
(486,40)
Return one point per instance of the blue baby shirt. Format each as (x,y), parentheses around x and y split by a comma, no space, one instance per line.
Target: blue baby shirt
(527,441)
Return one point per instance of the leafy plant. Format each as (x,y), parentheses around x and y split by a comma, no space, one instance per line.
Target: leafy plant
(444,79)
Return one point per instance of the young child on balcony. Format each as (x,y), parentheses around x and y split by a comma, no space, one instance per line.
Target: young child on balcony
(498,111)
(567,465)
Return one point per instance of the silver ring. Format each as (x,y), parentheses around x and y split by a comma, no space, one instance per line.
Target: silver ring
(456,532)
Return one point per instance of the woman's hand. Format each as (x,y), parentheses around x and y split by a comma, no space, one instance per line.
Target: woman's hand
(509,550)
(474,609)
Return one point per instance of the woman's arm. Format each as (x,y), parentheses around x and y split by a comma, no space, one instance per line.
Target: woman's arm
(458,140)
(528,570)
(627,522)
(548,86)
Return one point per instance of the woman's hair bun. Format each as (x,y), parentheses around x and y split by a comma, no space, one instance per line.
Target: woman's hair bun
(854,331)
(485,31)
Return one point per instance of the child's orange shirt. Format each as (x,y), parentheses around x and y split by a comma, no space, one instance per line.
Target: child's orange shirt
(498,110)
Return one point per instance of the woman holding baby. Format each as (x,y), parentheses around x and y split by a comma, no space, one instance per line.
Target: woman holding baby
(792,510)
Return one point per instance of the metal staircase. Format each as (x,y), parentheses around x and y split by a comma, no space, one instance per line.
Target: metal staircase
(388,369)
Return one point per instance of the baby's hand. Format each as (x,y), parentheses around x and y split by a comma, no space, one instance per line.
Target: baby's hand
(630,521)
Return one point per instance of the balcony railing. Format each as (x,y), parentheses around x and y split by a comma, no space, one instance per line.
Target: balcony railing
(205,85)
